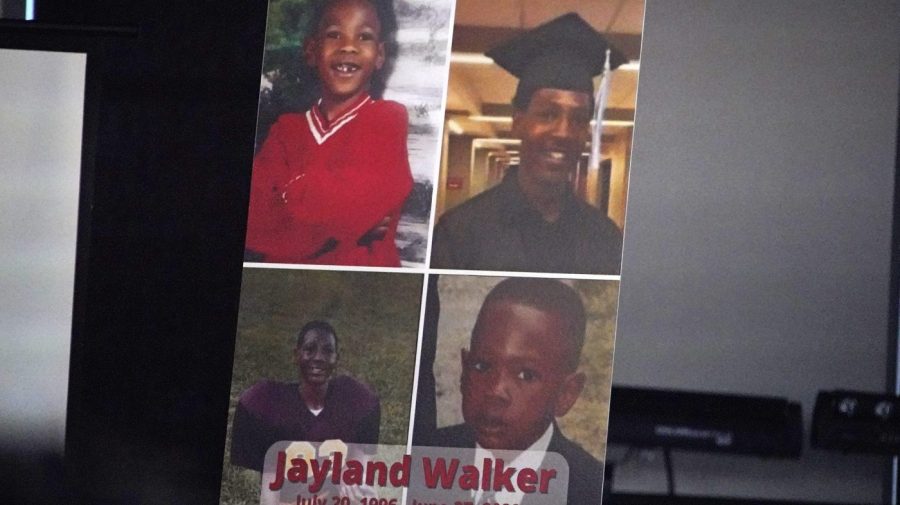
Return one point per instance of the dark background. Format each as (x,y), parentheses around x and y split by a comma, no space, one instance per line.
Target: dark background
(158,295)
(152,350)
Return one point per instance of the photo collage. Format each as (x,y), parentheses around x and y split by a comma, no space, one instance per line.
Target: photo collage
(434,240)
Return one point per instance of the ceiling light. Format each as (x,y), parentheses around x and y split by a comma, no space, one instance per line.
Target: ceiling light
(470,58)
(482,142)
(455,128)
(492,119)
(615,122)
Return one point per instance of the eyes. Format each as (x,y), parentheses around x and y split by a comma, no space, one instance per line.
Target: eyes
(552,114)
(546,115)
(523,374)
(527,375)
(313,349)
(367,35)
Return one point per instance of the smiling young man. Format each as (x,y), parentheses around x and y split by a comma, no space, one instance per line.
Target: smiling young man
(519,374)
(532,221)
(321,406)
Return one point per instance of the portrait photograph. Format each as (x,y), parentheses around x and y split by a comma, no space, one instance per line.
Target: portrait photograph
(348,132)
(538,128)
(319,355)
(520,364)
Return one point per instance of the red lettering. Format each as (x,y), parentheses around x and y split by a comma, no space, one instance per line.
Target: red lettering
(336,468)
(373,467)
(320,473)
(503,478)
(276,484)
(469,479)
(440,471)
(400,472)
(353,474)
(298,471)
(526,479)
(546,477)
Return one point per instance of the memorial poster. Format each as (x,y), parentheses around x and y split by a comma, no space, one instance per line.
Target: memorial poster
(433,253)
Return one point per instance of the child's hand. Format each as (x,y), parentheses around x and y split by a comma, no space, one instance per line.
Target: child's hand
(326,248)
(377,232)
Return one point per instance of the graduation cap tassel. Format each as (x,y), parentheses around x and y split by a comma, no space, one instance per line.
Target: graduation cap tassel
(599,107)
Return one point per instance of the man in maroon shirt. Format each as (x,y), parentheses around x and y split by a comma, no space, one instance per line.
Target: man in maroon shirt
(317,408)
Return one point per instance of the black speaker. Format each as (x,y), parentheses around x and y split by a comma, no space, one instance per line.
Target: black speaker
(856,422)
(755,425)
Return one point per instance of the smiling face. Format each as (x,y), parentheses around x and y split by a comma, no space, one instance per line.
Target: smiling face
(517,376)
(554,129)
(316,357)
(346,50)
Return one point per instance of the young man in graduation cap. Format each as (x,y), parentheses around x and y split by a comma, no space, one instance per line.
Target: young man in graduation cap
(532,221)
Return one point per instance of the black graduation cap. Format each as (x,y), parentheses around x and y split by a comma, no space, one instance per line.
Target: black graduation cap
(564,53)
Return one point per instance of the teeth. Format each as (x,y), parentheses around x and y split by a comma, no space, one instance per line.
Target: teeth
(346,67)
(556,155)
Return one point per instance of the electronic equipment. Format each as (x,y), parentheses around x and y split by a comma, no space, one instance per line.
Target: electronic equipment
(757,425)
(856,422)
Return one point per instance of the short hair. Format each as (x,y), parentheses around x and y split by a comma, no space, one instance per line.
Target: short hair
(546,295)
(317,325)
(387,17)
(522,99)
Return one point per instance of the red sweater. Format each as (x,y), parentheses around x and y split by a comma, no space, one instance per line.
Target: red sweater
(316,182)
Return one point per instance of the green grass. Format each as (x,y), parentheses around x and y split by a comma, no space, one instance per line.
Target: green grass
(376,317)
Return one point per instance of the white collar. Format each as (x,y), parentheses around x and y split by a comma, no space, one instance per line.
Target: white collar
(532,457)
(323,129)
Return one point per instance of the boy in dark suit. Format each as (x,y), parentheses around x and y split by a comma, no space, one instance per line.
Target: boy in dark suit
(520,373)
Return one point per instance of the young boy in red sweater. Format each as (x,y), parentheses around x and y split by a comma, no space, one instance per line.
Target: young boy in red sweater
(328,184)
